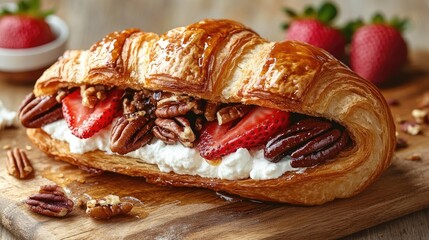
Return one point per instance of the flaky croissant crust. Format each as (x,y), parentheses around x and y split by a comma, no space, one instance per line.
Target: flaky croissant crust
(222,60)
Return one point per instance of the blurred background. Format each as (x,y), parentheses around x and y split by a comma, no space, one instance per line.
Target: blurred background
(90,20)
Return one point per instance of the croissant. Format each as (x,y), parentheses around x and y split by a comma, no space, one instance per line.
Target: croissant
(224,62)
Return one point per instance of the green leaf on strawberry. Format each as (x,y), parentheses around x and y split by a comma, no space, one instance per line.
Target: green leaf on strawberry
(314,26)
(327,12)
(29,8)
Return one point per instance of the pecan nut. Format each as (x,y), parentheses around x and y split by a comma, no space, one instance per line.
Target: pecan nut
(309,142)
(175,129)
(323,154)
(17,163)
(50,201)
(139,103)
(210,111)
(175,106)
(107,207)
(128,135)
(231,113)
(36,112)
(92,94)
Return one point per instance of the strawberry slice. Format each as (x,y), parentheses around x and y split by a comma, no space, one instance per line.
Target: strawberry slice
(84,121)
(255,129)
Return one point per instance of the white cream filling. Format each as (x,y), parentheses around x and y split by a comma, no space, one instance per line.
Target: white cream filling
(176,158)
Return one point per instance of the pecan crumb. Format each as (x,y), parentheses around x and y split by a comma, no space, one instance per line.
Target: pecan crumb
(50,201)
(17,163)
(92,94)
(107,207)
(6,147)
(415,157)
(61,94)
(401,143)
(28,147)
(411,128)
(138,104)
(231,113)
(393,102)
(90,170)
(421,116)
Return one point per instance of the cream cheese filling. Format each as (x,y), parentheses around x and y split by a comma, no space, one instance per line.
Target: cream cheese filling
(179,159)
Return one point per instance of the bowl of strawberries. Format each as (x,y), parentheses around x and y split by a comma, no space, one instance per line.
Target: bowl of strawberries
(30,40)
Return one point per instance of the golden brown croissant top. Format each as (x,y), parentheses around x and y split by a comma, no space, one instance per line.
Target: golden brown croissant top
(222,60)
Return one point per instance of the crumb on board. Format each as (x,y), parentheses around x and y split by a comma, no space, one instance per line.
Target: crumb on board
(415,157)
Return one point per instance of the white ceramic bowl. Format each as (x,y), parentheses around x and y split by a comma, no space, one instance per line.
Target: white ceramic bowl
(23,66)
(28,59)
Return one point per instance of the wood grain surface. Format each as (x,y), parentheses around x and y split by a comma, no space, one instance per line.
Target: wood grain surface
(178,213)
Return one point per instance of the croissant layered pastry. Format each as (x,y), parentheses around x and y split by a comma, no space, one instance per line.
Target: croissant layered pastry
(214,105)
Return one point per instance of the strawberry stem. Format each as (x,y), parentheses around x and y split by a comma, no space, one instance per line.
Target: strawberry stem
(28,7)
(378,18)
(326,13)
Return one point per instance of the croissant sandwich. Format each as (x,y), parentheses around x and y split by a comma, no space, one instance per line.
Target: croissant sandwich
(214,105)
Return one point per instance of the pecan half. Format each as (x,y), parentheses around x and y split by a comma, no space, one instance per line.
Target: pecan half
(139,103)
(321,155)
(210,111)
(175,129)
(17,163)
(50,201)
(231,113)
(107,207)
(175,106)
(36,112)
(129,135)
(309,142)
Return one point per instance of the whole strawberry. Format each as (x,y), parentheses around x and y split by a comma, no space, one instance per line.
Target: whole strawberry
(378,51)
(25,27)
(315,27)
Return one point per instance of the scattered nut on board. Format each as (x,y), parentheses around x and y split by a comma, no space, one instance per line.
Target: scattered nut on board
(18,164)
(411,128)
(415,157)
(420,116)
(107,207)
(50,201)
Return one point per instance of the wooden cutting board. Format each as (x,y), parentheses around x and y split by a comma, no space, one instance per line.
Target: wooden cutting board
(178,213)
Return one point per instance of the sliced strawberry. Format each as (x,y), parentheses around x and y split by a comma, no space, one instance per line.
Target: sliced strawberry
(253,130)
(84,121)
